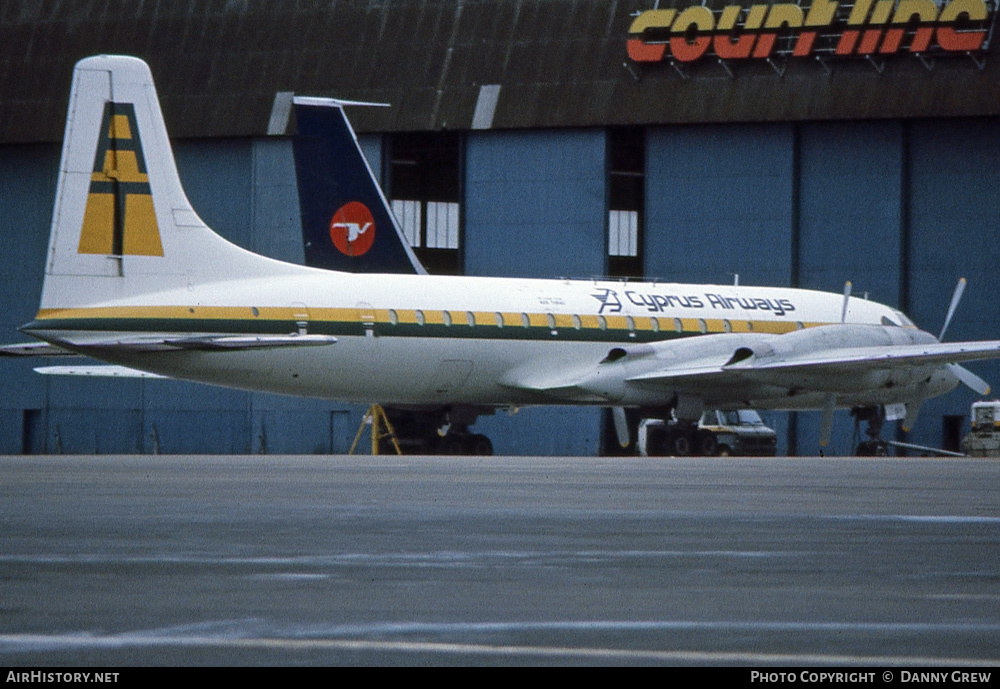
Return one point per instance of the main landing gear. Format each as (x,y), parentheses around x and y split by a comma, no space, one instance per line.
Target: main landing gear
(874,446)
(440,432)
(461,442)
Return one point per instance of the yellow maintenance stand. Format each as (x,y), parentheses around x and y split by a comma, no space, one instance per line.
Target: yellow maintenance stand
(376,418)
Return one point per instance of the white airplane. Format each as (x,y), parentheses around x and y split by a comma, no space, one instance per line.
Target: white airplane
(134,278)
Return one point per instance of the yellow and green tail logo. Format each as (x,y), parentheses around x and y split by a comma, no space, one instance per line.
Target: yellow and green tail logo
(119,219)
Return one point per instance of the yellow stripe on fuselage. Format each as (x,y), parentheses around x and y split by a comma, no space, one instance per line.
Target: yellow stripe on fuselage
(483,319)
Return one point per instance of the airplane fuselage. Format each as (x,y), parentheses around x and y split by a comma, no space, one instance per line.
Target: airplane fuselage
(482,341)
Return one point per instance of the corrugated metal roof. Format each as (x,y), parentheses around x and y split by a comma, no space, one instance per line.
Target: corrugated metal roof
(218,65)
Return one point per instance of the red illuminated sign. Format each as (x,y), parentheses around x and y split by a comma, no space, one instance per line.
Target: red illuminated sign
(824,28)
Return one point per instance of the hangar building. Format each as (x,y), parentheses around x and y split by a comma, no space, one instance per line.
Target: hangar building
(789,144)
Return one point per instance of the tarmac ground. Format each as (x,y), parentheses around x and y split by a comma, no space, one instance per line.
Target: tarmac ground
(110,561)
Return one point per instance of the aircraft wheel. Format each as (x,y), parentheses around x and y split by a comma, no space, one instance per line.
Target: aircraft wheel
(452,445)
(872,448)
(479,445)
(707,445)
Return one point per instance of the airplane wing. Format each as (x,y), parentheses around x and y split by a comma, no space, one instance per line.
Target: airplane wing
(745,365)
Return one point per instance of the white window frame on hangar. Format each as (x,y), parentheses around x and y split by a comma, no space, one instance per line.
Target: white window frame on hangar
(786,143)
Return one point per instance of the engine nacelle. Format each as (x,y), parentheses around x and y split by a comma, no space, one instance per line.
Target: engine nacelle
(794,345)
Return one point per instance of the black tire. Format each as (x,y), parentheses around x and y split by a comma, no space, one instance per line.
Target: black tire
(678,444)
(873,448)
(707,445)
(479,445)
(452,445)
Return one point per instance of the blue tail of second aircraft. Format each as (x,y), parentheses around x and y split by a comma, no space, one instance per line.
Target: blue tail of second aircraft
(347,223)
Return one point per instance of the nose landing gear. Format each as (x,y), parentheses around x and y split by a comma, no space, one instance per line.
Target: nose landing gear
(874,446)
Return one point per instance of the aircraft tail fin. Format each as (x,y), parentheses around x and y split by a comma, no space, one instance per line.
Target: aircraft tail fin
(347,223)
(122,224)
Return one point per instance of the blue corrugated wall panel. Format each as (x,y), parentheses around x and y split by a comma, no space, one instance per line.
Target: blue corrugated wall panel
(216,176)
(276,228)
(556,431)
(27,193)
(84,430)
(535,204)
(372,146)
(851,208)
(718,202)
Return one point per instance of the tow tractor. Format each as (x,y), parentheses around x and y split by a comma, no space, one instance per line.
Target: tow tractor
(984,440)
(718,433)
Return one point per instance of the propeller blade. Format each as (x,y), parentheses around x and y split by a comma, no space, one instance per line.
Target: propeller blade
(970,379)
(913,406)
(621,425)
(912,410)
(955,298)
(847,298)
(826,423)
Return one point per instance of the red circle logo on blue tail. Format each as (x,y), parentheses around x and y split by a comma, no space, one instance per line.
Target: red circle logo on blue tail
(352,229)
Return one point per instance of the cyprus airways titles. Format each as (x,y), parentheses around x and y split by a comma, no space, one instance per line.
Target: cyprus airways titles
(659,303)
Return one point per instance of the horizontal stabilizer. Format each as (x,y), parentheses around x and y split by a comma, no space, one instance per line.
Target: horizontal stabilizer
(238,342)
(97,371)
(209,343)
(34,349)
